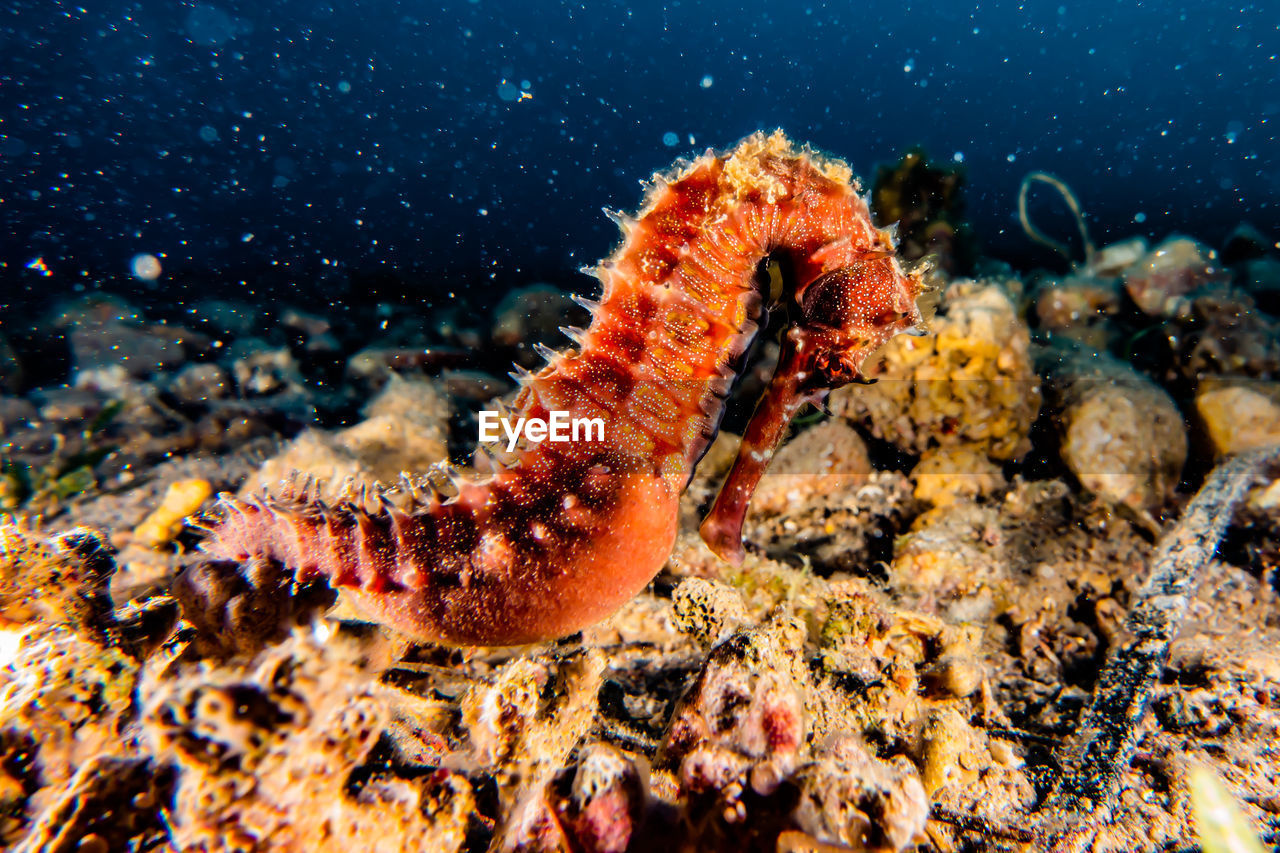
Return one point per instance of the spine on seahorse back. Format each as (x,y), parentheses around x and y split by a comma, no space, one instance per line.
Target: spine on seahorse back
(567,532)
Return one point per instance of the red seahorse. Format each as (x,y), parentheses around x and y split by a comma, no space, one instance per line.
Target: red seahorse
(565,533)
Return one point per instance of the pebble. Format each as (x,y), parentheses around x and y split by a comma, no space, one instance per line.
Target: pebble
(1121,435)
(183,498)
(199,383)
(1239,414)
(1161,281)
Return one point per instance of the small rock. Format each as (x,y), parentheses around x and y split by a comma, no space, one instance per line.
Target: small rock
(849,797)
(106,334)
(745,699)
(708,610)
(310,325)
(604,806)
(497,717)
(261,370)
(1113,259)
(827,459)
(1161,281)
(197,384)
(1239,414)
(405,429)
(1078,307)
(183,498)
(945,475)
(1122,435)
(956,674)
(953,560)
(953,752)
(70,405)
(316,332)
(1227,334)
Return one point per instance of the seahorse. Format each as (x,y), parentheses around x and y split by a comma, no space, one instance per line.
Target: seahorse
(561,534)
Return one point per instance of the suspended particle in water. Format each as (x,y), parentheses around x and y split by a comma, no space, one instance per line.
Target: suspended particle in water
(344,86)
(146,267)
(209,133)
(707,81)
(509,92)
(670,140)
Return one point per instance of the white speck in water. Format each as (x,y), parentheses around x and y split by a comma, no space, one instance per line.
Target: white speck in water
(958,156)
(1139,217)
(146,267)
(707,81)
(670,139)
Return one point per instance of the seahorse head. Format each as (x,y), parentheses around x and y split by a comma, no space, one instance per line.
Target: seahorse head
(845,315)
(848,313)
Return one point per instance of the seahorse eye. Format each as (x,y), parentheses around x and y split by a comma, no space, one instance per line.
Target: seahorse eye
(824,301)
(864,294)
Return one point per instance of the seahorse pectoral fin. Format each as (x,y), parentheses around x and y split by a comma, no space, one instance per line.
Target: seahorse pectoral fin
(722,528)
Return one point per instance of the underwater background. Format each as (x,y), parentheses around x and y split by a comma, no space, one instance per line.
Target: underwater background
(468,147)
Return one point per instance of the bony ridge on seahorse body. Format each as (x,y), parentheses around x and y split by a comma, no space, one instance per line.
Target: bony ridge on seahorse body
(564,533)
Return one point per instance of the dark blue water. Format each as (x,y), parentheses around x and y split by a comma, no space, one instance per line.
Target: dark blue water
(469,148)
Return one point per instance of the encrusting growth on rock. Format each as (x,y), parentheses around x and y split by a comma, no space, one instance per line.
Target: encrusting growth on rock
(561,534)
